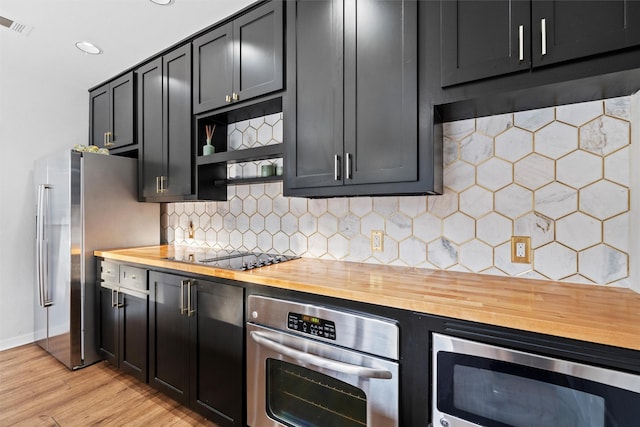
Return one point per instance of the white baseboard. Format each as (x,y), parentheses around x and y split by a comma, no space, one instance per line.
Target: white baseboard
(16,341)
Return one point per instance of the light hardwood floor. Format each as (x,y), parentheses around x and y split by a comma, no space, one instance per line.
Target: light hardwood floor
(37,390)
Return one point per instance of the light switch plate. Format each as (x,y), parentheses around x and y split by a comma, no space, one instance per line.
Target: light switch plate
(521,249)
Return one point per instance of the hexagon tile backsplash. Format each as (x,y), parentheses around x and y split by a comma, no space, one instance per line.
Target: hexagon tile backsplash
(559,175)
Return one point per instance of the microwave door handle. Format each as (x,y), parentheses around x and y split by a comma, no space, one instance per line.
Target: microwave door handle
(320,362)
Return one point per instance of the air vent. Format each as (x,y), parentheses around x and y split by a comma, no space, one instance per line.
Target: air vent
(15,26)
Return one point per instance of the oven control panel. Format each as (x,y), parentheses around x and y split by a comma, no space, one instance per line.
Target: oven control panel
(312,325)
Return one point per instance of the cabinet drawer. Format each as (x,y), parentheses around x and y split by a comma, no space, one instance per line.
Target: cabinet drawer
(109,271)
(134,278)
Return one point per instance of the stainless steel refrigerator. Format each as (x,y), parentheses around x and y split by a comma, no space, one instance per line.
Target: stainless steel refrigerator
(85,201)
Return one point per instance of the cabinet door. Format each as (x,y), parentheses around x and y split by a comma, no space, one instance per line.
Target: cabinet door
(121,111)
(176,120)
(313,105)
(381,92)
(484,39)
(217,365)
(108,330)
(258,51)
(564,30)
(99,115)
(168,336)
(133,335)
(150,135)
(212,69)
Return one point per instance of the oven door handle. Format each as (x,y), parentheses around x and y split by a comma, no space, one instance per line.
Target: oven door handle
(318,361)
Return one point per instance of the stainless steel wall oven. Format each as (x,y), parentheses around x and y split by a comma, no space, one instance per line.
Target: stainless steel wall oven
(477,384)
(316,366)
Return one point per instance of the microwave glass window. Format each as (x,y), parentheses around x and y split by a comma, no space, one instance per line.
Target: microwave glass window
(522,402)
(298,396)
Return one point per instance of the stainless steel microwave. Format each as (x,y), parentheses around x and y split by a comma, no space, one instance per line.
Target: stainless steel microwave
(477,384)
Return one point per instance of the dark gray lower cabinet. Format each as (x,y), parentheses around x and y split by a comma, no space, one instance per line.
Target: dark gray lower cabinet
(196,333)
(123,331)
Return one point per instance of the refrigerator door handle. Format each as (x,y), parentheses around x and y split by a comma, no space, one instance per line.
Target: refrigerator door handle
(41,246)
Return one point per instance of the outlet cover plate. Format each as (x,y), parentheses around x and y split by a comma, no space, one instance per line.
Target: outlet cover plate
(521,249)
(377,241)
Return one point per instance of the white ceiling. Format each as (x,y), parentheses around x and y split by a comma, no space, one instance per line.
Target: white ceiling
(128,31)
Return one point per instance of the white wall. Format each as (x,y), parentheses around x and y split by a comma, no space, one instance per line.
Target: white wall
(37,117)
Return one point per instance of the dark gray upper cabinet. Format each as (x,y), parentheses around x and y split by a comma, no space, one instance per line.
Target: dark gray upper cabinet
(164,127)
(240,60)
(352,111)
(483,39)
(564,30)
(111,112)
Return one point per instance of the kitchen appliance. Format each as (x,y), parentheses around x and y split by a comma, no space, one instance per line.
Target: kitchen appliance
(229,259)
(477,384)
(85,201)
(309,365)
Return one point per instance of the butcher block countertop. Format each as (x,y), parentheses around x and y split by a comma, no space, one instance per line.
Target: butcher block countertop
(591,313)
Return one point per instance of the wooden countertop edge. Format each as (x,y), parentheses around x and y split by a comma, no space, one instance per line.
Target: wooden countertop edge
(585,328)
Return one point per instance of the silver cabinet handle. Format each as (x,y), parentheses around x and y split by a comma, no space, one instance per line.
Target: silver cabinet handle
(109,140)
(348,166)
(543,28)
(157,184)
(235,96)
(190,310)
(118,303)
(521,42)
(163,180)
(115,299)
(318,361)
(336,167)
(183,283)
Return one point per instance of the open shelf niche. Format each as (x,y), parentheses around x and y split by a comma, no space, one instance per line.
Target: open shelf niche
(224,167)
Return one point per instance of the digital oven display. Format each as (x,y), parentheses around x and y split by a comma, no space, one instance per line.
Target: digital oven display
(312,325)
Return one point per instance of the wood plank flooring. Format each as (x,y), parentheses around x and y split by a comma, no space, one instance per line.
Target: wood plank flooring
(36,390)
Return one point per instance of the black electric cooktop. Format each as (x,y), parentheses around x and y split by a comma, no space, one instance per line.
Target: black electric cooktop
(232,260)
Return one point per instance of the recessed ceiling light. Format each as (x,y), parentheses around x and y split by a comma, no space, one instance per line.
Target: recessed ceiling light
(162,2)
(89,48)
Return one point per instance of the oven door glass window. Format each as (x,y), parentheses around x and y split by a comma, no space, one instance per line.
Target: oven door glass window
(298,396)
(497,393)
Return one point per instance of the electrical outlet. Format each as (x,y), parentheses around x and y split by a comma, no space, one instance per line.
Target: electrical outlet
(377,240)
(521,249)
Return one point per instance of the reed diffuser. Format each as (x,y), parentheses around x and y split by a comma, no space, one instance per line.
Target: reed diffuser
(208,148)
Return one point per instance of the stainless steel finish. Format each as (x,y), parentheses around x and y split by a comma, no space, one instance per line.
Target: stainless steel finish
(382,335)
(267,339)
(382,394)
(114,297)
(227,98)
(92,205)
(42,271)
(336,167)
(190,310)
(348,172)
(521,43)
(108,143)
(235,96)
(543,29)
(458,345)
(183,283)
(364,354)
